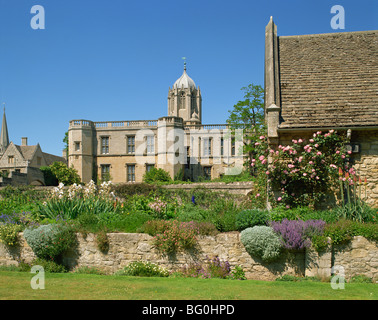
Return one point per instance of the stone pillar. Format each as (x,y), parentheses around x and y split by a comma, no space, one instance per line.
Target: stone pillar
(272,91)
(318,264)
(273,118)
(272,86)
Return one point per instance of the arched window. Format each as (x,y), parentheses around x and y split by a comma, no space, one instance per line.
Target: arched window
(181,102)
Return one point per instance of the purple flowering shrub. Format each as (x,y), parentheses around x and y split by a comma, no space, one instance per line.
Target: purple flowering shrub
(297,234)
(24,219)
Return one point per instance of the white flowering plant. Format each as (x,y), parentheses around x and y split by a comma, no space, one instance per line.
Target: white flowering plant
(69,202)
(143,269)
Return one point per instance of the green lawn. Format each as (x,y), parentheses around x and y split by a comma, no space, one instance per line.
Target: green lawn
(70,286)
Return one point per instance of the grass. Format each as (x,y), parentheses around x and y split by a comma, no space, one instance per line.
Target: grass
(70,286)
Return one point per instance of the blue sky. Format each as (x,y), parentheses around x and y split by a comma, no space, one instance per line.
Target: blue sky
(115,60)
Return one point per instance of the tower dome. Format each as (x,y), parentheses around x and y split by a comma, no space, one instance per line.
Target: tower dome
(184,81)
(184,100)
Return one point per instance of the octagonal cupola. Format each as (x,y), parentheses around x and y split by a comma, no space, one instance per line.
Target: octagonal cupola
(184,81)
(184,100)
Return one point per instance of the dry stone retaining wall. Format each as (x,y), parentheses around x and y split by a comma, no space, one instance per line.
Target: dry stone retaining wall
(241,188)
(360,256)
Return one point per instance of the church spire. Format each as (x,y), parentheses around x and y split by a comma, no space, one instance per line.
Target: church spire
(4,137)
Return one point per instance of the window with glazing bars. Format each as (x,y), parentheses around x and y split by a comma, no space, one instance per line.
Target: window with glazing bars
(207,147)
(131,173)
(105,145)
(131,145)
(150,144)
(105,172)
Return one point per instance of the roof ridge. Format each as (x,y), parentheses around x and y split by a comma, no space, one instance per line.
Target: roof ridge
(331,34)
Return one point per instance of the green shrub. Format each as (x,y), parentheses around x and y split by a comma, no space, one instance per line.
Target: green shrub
(206,228)
(89,270)
(102,241)
(328,216)
(131,222)
(143,269)
(9,234)
(127,190)
(179,176)
(50,178)
(154,227)
(261,241)
(224,221)
(156,175)
(64,174)
(250,218)
(367,230)
(288,277)
(343,231)
(229,178)
(360,278)
(280,213)
(50,266)
(238,273)
(191,213)
(340,232)
(320,242)
(20,199)
(172,235)
(50,241)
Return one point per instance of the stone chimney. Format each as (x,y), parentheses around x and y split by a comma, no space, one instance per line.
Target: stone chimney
(272,89)
(24,141)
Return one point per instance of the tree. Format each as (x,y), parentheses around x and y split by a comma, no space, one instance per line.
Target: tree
(50,178)
(65,175)
(248,115)
(66,143)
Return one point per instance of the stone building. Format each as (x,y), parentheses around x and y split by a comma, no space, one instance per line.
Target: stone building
(19,164)
(123,151)
(322,82)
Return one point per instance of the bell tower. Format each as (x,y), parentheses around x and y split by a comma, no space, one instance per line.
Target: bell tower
(184,100)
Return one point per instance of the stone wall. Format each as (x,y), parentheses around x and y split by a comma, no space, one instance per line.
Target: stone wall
(366,163)
(360,256)
(31,176)
(14,179)
(236,188)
